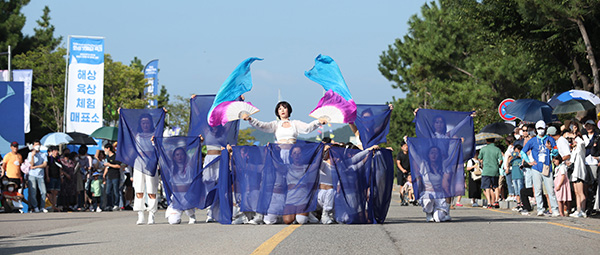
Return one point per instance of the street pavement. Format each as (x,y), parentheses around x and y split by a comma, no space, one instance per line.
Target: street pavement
(471,231)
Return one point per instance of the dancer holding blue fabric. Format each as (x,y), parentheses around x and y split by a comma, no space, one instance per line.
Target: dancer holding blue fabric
(286,131)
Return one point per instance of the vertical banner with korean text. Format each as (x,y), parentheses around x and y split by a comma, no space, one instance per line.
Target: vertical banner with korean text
(151,74)
(85,84)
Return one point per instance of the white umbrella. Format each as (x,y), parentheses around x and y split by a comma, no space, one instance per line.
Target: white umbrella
(56,138)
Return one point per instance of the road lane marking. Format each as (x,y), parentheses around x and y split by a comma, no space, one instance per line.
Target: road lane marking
(493,210)
(576,228)
(268,246)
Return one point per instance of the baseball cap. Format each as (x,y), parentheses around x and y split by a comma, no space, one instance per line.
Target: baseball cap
(552,130)
(591,122)
(14,144)
(540,124)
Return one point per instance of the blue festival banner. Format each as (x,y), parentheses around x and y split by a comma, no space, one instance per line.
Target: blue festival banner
(151,75)
(11,101)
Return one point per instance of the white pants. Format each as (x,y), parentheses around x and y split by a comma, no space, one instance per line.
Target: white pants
(148,183)
(145,182)
(435,206)
(325,199)
(211,173)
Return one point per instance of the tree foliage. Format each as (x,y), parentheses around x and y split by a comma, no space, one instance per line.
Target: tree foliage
(468,55)
(123,88)
(178,113)
(48,88)
(245,137)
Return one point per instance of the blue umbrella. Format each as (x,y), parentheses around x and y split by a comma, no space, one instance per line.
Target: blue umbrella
(573,101)
(531,110)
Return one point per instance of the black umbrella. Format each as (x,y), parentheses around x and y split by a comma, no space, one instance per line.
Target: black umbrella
(500,128)
(81,138)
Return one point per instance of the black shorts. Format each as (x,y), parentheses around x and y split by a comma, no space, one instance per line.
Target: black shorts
(489,182)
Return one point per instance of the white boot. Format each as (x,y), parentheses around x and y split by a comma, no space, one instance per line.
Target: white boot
(257,220)
(141,218)
(191,213)
(150,218)
(326,218)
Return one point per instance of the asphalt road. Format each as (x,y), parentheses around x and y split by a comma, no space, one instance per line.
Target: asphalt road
(472,231)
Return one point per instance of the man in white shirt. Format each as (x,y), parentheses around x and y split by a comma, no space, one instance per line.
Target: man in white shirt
(38,161)
(562,144)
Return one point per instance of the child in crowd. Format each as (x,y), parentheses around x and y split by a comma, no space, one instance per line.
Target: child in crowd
(407,192)
(96,190)
(516,173)
(561,186)
(12,199)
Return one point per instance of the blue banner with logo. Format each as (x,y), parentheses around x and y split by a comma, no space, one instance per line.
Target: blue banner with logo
(11,101)
(151,74)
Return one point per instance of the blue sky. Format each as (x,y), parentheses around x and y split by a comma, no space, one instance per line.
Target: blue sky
(199,43)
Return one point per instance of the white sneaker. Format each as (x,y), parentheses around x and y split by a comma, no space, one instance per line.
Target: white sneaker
(312,219)
(115,208)
(237,221)
(257,220)
(325,218)
(475,204)
(36,210)
(44,210)
(192,220)
(209,219)
(429,217)
(447,218)
(540,213)
(100,210)
(150,218)
(525,213)
(141,217)
(555,214)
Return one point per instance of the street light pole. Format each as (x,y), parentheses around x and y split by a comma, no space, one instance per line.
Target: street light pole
(9,57)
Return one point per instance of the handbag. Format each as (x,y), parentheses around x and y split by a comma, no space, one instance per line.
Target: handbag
(546,170)
(476,172)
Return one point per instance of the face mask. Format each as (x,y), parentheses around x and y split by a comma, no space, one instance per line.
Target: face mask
(572,127)
(4,182)
(37,148)
(11,189)
(541,132)
(517,137)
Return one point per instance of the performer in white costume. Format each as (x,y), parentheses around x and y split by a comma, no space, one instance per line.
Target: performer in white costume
(141,180)
(286,131)
(181,180)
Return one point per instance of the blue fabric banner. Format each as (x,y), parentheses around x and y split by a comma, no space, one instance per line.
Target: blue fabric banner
(284,179)
(136,128)
(11,105)
(373,123)
(447,124)
(219,135)
(180,161)
(437,168)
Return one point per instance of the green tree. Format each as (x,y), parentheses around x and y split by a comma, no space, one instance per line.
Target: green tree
(123,88)
(44,34)
(162,99)
(178,113)
(11,24)
(136,63)
(48,88)
(245,137)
